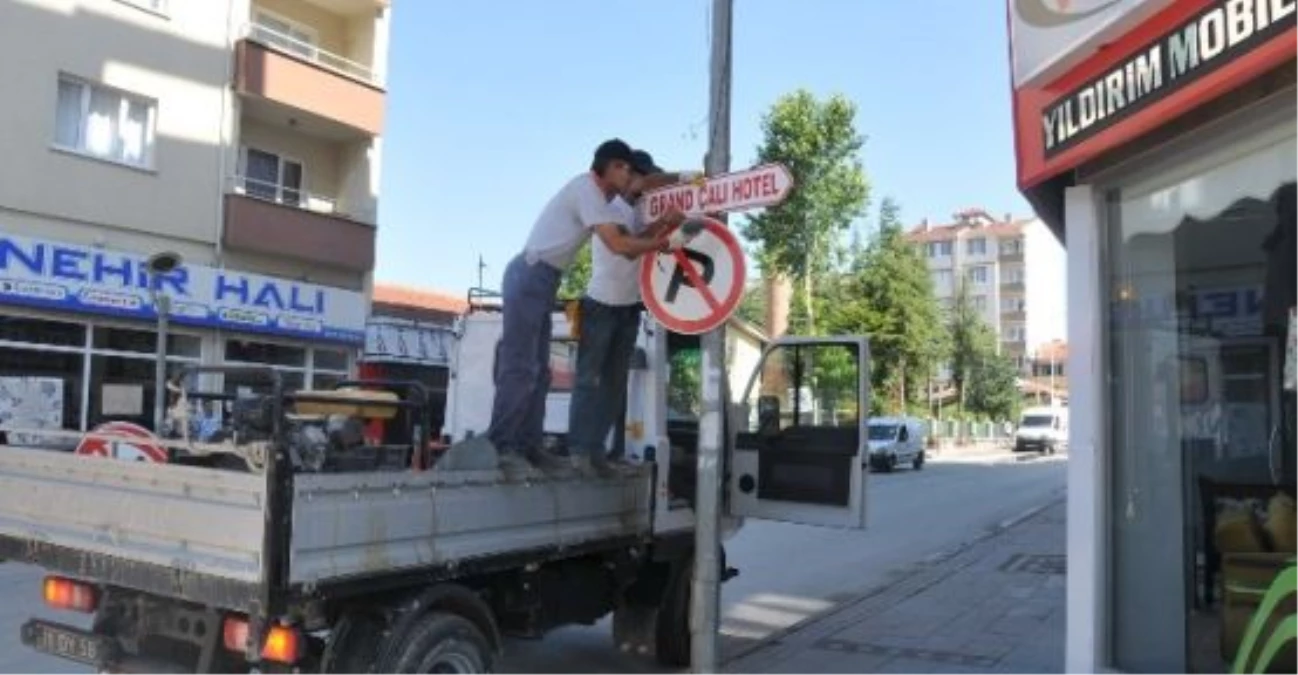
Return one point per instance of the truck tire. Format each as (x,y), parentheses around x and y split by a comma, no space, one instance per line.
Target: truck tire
(440,642)
(672,637)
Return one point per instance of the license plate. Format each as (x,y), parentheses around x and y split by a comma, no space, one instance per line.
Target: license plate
(69,643)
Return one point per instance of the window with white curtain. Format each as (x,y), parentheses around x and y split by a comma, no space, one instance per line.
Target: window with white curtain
(104,123)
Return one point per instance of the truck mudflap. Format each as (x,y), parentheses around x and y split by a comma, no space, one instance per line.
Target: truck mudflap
(73,644)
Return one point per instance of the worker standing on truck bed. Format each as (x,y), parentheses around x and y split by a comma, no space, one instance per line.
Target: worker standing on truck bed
(610,319)
(531,283)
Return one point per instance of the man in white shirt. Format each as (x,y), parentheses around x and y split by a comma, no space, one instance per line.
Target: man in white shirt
(531,283)
(610,320)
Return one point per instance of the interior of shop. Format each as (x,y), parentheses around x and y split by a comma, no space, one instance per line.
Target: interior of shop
(1201,364)
(70,376)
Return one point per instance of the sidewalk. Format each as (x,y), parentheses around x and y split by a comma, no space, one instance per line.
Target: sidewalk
(996,606)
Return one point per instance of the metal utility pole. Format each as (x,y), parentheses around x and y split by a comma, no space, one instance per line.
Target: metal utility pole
(706,591)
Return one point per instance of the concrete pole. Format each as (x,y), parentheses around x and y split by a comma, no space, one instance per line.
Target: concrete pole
(706,592)
(162,304)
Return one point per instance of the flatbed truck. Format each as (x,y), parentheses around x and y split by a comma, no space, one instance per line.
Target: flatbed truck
(299,539)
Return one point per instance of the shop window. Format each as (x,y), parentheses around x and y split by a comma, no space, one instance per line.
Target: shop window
(42,332)
(1201,430)
(40,390)
(324,381)
(331,359)
(246,383)
(268,353)
(145,342)
(122,389)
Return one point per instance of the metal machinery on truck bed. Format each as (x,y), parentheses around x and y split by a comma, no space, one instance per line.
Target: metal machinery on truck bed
(298,537)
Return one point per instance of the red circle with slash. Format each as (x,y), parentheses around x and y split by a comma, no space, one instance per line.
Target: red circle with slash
(697,287)
(133,443)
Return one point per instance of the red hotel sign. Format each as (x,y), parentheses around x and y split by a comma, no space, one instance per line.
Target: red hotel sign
(1181,57)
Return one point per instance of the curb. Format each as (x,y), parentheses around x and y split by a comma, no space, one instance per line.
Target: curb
(915,570)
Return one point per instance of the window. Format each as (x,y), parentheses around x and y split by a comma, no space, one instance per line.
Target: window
(979,302)
(40,389)
(106,123)
(41,332)
(1013,274)
(269,176)
(1012,246)
(978,275)
(1009,305)
(1014,334)
(285,34)
(939,249)
(298,367)
(145,342)
(976,246)
(942,278)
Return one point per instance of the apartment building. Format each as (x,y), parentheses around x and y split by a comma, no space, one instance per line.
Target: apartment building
(243,135)
(1013,271)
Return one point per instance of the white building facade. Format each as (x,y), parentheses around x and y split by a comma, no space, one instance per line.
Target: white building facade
(1013,272)
(243,135)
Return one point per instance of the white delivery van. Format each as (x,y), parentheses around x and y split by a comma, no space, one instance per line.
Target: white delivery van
(895,441)
(1042,429)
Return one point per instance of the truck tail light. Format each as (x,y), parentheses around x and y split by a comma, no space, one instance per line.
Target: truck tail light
(283,644)
(63,593)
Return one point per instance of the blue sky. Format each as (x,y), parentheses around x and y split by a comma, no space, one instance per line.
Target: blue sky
(494,104)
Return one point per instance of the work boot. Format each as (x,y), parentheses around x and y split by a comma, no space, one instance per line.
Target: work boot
(600,466)
(548,462)
(515,468)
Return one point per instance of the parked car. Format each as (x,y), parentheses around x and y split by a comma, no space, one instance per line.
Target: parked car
(895,441)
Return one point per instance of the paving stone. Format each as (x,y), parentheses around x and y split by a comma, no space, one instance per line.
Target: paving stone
(997,606)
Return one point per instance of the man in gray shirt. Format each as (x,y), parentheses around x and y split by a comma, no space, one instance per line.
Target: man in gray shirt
(531,283)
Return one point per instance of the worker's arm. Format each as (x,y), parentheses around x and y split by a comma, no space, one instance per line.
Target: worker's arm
(625,244)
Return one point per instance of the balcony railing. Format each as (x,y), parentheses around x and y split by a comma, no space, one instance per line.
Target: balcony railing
(288,44)
(269,191)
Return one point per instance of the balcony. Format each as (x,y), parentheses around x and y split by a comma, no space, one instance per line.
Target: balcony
(1012,286)
(1015,315)
(271,219)
(343,97)
(1011,255)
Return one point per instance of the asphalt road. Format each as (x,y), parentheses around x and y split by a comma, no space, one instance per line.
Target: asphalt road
(787,572)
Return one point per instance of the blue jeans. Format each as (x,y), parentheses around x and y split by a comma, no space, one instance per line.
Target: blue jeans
(522,371)
(603,364)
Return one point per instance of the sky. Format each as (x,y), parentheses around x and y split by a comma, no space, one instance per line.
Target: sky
(494,104)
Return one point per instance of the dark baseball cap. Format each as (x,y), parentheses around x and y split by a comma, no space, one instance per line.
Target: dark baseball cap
(643,163)
(611,150)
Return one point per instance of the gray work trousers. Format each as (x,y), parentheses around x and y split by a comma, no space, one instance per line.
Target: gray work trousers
(522,370)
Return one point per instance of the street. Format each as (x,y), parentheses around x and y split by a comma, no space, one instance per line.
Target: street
(787,572)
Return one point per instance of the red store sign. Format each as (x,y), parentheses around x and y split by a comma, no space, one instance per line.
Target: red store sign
(1181,57)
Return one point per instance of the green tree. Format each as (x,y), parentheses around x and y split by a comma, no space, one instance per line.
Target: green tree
(986,383)
(887,294)
(971,340)
(577,276)
(752,306)
(993,388)
(818,142)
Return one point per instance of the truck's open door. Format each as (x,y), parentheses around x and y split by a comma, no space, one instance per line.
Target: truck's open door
(798,454)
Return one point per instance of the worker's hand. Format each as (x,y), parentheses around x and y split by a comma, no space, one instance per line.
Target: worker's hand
(671,218)
(683,235)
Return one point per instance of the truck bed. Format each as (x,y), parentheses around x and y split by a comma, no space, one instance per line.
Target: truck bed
(203,535)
